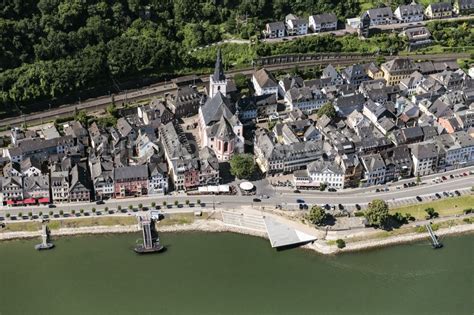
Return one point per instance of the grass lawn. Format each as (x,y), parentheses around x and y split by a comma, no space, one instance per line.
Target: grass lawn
(445,207)
(22,226)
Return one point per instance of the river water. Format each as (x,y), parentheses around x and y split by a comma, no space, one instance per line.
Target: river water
(225,273)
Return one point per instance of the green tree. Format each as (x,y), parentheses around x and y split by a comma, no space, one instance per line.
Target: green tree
(198,201)
(242,166)
(119,207)
(82,211)
(153,204)
(323,186)
(431,213)
(73,212)
(377,213)
(51,212)
(241,81)
(30,214)
(176,203)
(164,203)
(7,215)
(340,243)
(317,215)
(328,110)
(140,206)
(418,179)
(130,207)
(93,210)
(187,202)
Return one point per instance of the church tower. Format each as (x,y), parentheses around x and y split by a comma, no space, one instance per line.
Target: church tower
(218,81)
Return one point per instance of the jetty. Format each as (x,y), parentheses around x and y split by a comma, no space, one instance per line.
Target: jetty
(151,241)
(45,244)
(434,239)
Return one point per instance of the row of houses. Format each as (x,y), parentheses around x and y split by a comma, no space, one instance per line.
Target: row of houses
(389,117)
(406,13)
(293,25)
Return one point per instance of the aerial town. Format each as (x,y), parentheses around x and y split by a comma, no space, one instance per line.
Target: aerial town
(246,157)
(358,126)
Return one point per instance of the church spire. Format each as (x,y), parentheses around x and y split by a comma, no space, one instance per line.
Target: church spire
(219,69)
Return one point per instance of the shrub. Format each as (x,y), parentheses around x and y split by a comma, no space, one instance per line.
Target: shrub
(340,243)
(359,213)
(468,210)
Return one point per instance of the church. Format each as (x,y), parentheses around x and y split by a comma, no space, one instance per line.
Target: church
(219,125)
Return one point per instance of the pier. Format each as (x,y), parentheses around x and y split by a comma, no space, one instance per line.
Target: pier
(434,239)
(151,241)
(45,244)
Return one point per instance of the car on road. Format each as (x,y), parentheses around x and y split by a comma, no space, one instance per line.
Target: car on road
(264,197)
(296,191)
(256,200)
(300,201)
(2,219)
(332,189)
(99,202)
(51,206)
(418,198)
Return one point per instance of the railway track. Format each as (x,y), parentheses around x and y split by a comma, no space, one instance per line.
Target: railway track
(162,88)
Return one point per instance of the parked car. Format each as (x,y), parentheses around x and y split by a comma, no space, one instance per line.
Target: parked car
(299,201)
(332,189)
(457,193)
(418,198)
(444,178)
(256,200)
(438,195)
(451,176)
(296,191)
(357,206)
(51,206)
(377,190)
(340,206)
(99,202)
(445,194)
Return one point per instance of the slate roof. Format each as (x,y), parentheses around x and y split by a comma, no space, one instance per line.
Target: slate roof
(215,108)
(265,79)
(131,172)
(325,18)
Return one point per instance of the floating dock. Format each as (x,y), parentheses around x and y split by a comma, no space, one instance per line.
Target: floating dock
(151,241)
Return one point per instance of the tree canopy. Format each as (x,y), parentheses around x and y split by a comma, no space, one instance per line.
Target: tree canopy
(328,110)
(377,213)
(242,166)
(317,215)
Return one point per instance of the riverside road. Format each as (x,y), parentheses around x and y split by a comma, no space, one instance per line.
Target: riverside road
(287,200)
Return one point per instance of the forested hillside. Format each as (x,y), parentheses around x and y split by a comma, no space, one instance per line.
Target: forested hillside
(52,48)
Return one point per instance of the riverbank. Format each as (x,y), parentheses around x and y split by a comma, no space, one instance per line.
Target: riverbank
(321,246)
